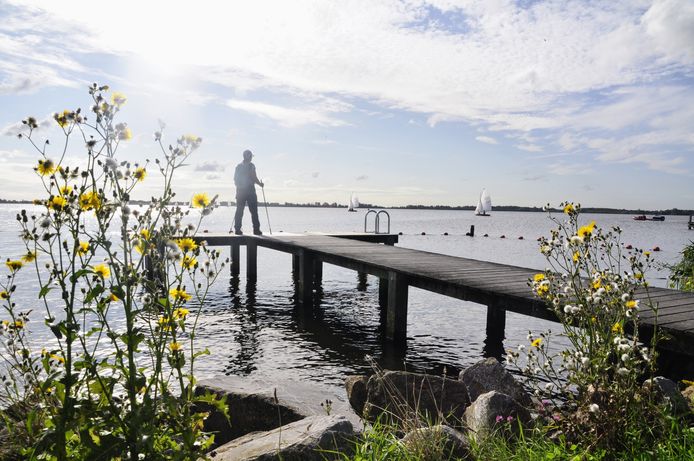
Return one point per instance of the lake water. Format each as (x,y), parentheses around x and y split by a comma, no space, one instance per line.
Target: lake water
(255,329)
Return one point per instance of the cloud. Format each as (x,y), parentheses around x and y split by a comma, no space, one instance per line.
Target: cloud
(285,116)
(210,166)
(362,177)
(13,129)
(487,140)
(569,169)
(530,147)
(315,174)
(211,177)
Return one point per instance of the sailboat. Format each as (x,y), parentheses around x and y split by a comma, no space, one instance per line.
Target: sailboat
(485,204)
(353,203)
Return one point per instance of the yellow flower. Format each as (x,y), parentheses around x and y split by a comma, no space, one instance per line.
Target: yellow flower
(140,174)
(632,304)
(586,230)
(58,202)
(118,99)
(65,190)
(542,290)
(638,275)
(186,244)
(113,298)
(46,167)
(4,295)
(180,313)
(89,200)
(539,277)
(188,262)
(175,347)
(200,200)
(191,138)
(179,294)
(617,328)
(14,266)
(165,323)
(144,233)
(57,358)
(29,257)
(18,324)
(597,283)
(125,135)
(536,342)
(140,246)
(576,256)
(83,248)
(569,208)
(102,270)
(646,253)
(62,119)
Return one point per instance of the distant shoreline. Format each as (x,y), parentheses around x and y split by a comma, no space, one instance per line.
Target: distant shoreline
(670,212)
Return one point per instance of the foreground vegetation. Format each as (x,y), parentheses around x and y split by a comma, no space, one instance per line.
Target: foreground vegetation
(119,286)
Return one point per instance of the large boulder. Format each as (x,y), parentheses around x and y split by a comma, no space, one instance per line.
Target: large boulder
(494,411)
(489,375)
(666,392)
(356,392)
(252,405)
(309,439)
(437,442)
(398,396)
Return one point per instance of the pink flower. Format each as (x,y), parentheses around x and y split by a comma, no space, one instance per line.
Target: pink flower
(499,418)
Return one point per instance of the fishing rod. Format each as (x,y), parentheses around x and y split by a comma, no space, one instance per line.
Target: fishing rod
(266,212)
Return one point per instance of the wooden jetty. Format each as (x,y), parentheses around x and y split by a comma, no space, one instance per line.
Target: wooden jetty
(690,224)
(498,286)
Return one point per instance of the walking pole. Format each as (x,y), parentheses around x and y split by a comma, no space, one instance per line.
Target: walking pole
(266,213)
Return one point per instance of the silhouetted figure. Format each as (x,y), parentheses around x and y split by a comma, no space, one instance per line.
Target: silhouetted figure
(245,180)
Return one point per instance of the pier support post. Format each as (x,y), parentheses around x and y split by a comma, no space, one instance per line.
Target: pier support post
(383,294)
(496,330)
(317,272)
(396,318)
(296,261)
(306,277)
(235,258)
(251,260)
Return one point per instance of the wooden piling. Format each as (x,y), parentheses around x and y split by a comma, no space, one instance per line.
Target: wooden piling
(306,278)
(251,260)
(496,330)
(396,319)
(235,258)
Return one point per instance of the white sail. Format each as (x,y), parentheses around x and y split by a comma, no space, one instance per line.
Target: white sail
(353,203)
(485,203)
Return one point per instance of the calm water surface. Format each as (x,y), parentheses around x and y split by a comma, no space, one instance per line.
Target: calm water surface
(255,329)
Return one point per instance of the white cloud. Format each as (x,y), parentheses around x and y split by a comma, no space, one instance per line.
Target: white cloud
(285,116)
(210,166)
(569,169)
(487,140)
(530,147)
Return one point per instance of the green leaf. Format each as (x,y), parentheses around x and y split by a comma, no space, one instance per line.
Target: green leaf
(77,275)
(44,291)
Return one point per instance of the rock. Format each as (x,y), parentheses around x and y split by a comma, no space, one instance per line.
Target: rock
(401,396)
(303,440)
(666,391)
(436,443)
(252,405)
(489,375)
(688,394)
(494,410)
(356,392)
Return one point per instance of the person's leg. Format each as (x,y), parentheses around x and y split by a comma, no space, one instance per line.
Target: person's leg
(240,204)
(253,207)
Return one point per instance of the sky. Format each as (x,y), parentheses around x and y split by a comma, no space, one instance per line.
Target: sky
(401,102)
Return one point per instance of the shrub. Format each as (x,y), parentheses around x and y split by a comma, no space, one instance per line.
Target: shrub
(682,273)
(121,299)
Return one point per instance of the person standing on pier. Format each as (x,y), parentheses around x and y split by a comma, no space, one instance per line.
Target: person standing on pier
(245,180)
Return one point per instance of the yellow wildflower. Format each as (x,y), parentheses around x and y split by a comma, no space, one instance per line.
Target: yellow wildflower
(576,256)
(89,200)
(46,167)
(180,313)
(200,200)
(165,323)
(144,233)
(617,328)
(542,290)
(14,266)
(191,138)
(4,295)
(186,244)
(57,203)
(188,262)
(179,294)
(118,99)
(65,190)
(140,174)
(646,253)
(125,135)
(18,324)
(632,304)
(57,358)
(597,283)
(536,342)
(569,209)
(83,248)
(638,275)
(140,246)
(113,298)
(175,347)
(29,257)
(587,230)
(539,277)
(102,270)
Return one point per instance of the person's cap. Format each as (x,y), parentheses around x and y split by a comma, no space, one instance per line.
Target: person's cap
(247,154)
